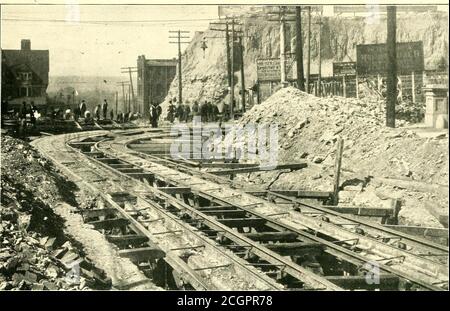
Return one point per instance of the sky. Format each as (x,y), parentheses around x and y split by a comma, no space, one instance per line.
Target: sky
(99,40)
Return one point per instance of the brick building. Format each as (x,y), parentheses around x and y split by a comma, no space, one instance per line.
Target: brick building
(25,75)
(153,81)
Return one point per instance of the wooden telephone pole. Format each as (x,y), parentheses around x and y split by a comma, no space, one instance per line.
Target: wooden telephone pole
(124,98)
(230,59)
(285,15)
(130,70)
(179,37)
(319,82)
(299,49)
(391,80)
(308,58)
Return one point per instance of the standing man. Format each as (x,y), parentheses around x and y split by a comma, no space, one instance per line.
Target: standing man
(82,108)
(171,112)
(97,112)
(186,112)
(195,109)
(180,112)
(105,109)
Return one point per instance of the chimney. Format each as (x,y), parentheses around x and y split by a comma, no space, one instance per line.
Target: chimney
(25,44)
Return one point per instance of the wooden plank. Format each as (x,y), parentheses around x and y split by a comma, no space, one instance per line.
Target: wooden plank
(142,254)
(175,190)
(126,240)
(121,165)
(228,165)
(272,236)
(258,168)
(82,143)
(242,222)
(296,248)
(305,194)
(93,153)
(98,212)
(337,170)
(130,170)
(421,231)
(141,175)
(362,211)
(109,223)
(108,160)
(226,212)
(386,281)
(215,208)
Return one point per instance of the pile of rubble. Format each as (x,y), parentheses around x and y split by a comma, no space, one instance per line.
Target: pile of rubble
(308,130)
(35,254)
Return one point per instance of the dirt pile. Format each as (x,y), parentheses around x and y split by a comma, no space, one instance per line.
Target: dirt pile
(309,128)
(34,251)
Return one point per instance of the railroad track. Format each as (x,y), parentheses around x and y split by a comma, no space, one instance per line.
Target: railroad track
(302,247)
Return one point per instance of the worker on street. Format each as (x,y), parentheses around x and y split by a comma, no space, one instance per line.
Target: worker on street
(97,112)
(105,109)
(82,108)
(171,112)
(204,111)
(180,112)
(155,111)
(195,109)
(186,112)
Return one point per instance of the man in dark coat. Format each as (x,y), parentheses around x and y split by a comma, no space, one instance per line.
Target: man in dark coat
(204,111)
(97,112)
(105,109)
(171,112)
(180,112)
(186,112)
(82,108)
(195,109)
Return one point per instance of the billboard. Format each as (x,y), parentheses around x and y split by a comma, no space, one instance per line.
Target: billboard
(344,68)
(371,59)
(269,69)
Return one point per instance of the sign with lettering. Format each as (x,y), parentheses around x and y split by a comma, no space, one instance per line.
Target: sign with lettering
(372,58)
(269,69)
(344,68)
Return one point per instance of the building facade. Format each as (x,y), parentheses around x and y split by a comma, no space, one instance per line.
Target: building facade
(153,81)
(25,75)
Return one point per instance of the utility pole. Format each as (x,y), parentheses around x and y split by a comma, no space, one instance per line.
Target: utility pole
(392,66)
(129,70)
(232,72)
(227,38)
(129,98)
(299,49)
(180,78)
(308,61)
(241,55)
(319,82)
(282,47)
(230,56)
(124,98)
(117,103)
(284,16)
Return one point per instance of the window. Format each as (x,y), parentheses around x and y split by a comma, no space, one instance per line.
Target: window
(25,76)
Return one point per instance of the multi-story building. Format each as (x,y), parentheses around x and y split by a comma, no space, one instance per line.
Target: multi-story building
(153,81)
(25,75)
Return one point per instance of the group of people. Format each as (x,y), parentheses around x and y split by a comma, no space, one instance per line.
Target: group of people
(208,111)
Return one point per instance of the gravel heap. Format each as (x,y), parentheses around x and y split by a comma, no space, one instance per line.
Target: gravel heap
(35,254)
(309,128)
